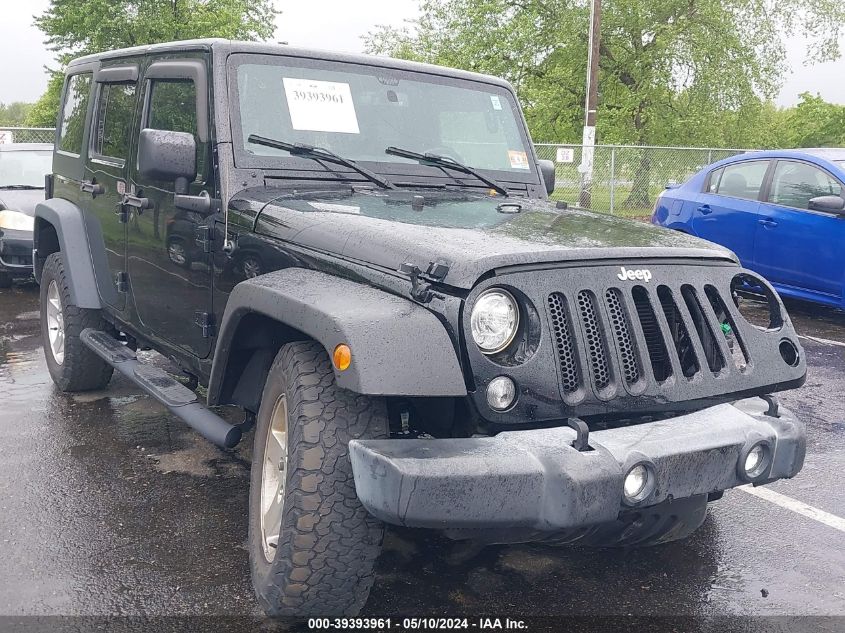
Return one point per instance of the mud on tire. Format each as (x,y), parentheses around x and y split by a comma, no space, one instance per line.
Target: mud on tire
(328,543)
(81,369)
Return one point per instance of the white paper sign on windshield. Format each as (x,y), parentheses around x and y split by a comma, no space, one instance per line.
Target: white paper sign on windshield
(320,106)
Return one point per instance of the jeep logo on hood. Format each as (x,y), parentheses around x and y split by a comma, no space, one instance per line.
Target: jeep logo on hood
(643,274)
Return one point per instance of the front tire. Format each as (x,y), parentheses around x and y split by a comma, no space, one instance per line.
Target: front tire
(5,280)
(72,365)
(312,544)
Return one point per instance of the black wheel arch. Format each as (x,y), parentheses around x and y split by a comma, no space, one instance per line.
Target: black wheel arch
(61,226)
(398,347)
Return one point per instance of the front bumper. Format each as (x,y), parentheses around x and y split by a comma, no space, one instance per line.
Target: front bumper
(16,252)
(535,479)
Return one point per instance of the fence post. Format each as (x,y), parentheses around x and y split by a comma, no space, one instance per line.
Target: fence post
(709,156)
(612,179)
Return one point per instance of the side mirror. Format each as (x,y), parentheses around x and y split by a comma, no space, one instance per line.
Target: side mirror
(547,168)
(167,156)
(827,204)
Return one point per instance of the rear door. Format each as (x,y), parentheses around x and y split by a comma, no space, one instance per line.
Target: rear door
(106,171)
(726,211)
(796,247)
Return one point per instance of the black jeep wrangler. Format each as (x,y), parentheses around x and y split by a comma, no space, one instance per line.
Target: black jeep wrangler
(369,266)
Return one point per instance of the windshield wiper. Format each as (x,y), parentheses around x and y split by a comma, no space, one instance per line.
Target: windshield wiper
(21,186)
(446,161)
(320,153)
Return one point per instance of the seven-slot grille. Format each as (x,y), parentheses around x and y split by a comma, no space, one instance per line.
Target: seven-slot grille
(633,335)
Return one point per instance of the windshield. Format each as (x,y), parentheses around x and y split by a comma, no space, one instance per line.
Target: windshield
(359,111)
(25,167)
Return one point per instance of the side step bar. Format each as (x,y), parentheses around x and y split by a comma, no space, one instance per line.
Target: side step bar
(181,401)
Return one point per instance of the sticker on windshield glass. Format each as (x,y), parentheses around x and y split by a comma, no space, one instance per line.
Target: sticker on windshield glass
(335,208)
(519,160)
(320,106)
(497,104)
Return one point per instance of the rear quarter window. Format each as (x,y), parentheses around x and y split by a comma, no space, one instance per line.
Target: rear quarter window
(712,183)
(73,113)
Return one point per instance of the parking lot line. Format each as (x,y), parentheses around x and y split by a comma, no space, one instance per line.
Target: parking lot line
(831,520)
(823,341)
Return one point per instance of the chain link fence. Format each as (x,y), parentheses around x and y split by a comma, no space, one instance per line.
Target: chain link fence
(27,135)
(626,178)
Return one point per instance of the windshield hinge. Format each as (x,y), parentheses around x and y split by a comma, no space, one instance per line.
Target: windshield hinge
(206,322)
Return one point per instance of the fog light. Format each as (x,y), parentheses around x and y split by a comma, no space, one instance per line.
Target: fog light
(636,483)
(756,461)
(501,393)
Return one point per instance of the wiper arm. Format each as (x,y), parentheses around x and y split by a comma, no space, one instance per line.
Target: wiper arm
(21,187)
(320,153)
(446,161)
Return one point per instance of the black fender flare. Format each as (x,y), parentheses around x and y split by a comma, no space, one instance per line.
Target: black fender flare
(398,347)
(69,223)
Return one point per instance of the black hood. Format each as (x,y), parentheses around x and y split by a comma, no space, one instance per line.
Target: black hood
(23,200)
(468,232)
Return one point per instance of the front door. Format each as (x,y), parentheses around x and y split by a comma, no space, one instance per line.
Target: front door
(169,273)
(105,180)
(796,247)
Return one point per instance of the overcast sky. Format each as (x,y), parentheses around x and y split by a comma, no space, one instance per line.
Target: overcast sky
(331,24)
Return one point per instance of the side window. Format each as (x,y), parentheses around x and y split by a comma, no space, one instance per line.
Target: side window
(173,106)
(713,178)
(73,113)
(794,184)
(113,123)
(743,180)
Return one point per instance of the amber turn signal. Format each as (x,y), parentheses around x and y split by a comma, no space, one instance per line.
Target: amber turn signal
(342,357)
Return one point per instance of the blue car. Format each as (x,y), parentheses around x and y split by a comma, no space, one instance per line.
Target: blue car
(782,213)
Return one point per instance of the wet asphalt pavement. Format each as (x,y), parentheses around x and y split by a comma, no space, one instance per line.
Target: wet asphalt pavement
(110,507)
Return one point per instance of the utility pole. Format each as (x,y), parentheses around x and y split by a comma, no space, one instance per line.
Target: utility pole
(589,139)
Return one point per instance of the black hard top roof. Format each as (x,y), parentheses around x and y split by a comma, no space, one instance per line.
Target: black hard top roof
(231,46)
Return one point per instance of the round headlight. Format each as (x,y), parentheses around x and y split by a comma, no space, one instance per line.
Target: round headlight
(494,320)
(16,221)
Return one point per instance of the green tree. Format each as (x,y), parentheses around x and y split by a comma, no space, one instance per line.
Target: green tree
(81,27)
(44,112)
(14,114)
(815,123)
(672,72)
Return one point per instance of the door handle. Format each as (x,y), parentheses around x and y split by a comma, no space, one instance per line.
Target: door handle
(92,187)
(135,202)
(705,209)
(768,223)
